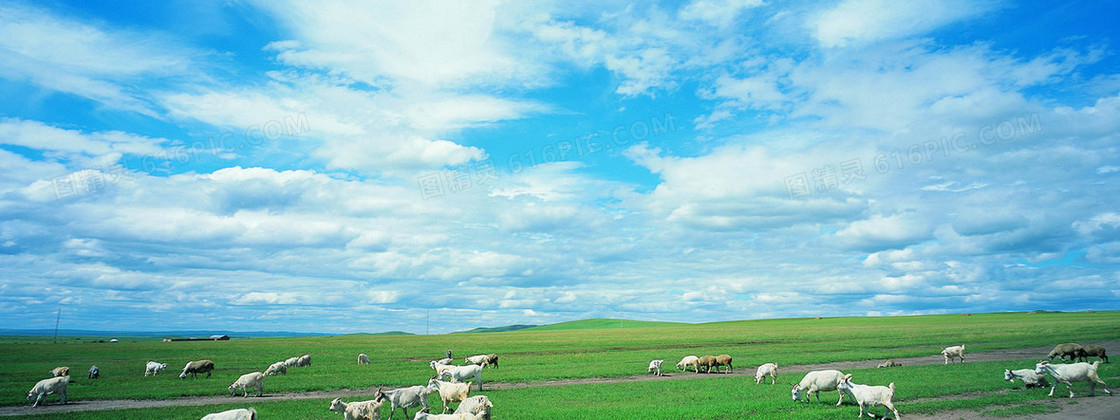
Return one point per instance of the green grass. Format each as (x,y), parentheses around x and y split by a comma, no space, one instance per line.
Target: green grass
(539,355)
(602,323)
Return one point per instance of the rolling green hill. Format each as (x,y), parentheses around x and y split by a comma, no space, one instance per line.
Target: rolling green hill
(602,323)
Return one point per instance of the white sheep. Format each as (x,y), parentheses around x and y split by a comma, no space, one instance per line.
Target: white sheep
(816,381)
(1030,378)
(292,361)
(154,368)
(60,371)
(889,363)
(767,369)
(476,405)
(55,385)
(278,368)
(953,352)
(449,392)
(689,361)
(459,373)
(1074,372)
(655,367)
(358,410)
(867,395)
(304,360)
(405,398)
(443,361)
(363,359)
(235,414)
(249,380)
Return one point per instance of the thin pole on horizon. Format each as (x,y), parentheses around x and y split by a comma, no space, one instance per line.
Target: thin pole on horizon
(57,319)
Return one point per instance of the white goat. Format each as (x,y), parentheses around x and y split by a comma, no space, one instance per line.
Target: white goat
(1074,372)
(358,410)
(292,361)
(689,361)
(249,380)
(153,368)
(867,395)
(1028,376)
(235,414)
(655,367)
(55,385)
(363,359)
(816,381)
(405,398)
(449,392)
(440,367)
(304,360)
(953,352)
(459,373)
(276,368)
(477,405)
(768,369)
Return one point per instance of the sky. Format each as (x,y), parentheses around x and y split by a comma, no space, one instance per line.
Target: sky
(435,166)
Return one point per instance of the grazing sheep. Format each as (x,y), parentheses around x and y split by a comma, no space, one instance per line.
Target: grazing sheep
(1028,376)
(689,361)
(459,373)
(705,362)
(767,369)
(655,367)
(94,372)
(816,381)
(304,360)
(405,398)
(953,352)
(867,395)
(196,367)
(483,359)
(276,368)
(1070,350)
(358,410)
(1075,372)
(363,359)
(478,405)
(724,360)
(56,385)
(60,371)
(153,368)
(449,392)
(249,380)
(235,414)
(889,363)
(292,361)
(1094,350)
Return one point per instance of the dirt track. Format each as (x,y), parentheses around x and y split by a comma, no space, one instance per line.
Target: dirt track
(1095,408)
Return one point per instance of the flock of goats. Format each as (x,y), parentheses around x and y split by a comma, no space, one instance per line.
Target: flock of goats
(450,383)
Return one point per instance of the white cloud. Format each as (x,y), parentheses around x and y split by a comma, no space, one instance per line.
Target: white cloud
(719,13)
(854,22)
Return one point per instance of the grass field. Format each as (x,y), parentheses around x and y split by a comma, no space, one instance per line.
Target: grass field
(592,349)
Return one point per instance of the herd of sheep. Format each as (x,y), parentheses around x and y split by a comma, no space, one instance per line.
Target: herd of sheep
(453,383)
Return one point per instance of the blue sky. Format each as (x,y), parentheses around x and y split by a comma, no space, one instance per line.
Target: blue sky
(323,167)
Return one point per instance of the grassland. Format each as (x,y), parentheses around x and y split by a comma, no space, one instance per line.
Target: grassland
(530,356)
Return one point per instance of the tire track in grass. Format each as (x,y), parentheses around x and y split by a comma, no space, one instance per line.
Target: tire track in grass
(94,405)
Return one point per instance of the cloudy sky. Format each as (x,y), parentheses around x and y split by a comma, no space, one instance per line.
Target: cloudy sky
(322,167)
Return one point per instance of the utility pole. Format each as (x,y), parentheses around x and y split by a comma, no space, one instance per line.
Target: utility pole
(57,319)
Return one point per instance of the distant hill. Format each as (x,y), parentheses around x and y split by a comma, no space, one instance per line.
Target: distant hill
(496,329)
(602,323)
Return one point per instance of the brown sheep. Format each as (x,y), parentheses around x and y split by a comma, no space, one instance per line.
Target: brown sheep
(724,360)
(1095,350)
(706,362)
(1071,350)
(196,367)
